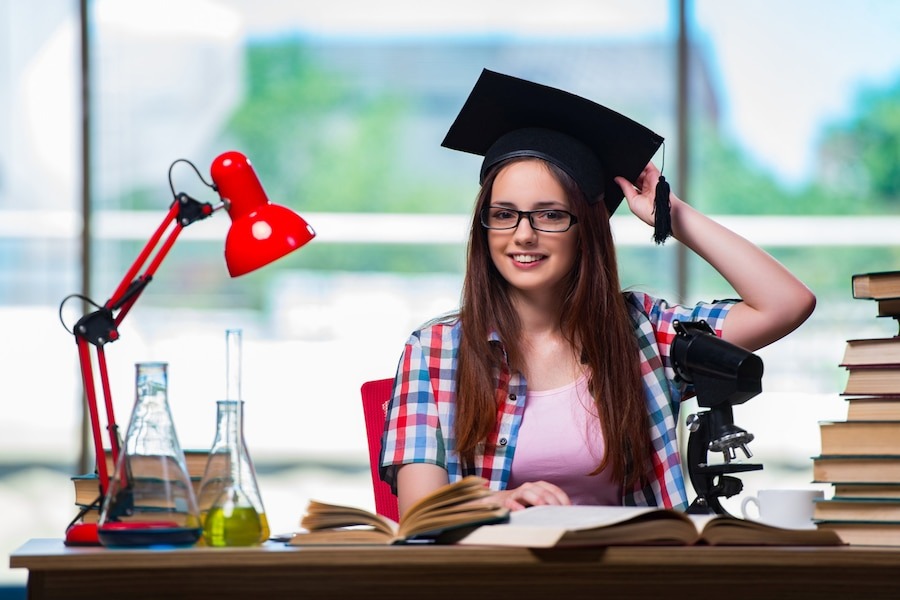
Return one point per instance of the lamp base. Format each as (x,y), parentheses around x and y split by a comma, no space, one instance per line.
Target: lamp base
(82,534)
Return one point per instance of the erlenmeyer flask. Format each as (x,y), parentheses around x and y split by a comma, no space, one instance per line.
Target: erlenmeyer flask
(247,524)
(150,499)
(230,503)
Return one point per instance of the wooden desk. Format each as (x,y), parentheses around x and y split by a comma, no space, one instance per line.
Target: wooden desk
(437,572)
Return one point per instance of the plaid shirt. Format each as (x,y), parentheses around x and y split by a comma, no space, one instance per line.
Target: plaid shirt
(419,427)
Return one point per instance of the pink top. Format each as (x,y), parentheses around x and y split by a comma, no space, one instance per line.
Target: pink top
(560,442)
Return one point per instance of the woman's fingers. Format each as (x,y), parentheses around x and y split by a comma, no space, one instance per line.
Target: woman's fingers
(535,493)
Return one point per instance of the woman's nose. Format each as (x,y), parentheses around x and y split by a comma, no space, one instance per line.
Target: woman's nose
(524,231)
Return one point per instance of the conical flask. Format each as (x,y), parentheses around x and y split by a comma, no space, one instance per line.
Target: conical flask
(231,507)
(228,455)
(150,500)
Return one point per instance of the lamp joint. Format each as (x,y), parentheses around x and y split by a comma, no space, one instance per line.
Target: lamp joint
(190,210)
(98,327)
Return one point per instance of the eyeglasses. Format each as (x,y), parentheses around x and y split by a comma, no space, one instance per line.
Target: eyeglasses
(551,220)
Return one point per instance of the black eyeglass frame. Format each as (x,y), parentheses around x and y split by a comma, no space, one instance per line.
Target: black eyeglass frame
(483,216)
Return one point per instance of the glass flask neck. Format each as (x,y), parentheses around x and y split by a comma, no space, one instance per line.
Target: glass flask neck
(229,424)
(151,380)
(233,339)
(230,436)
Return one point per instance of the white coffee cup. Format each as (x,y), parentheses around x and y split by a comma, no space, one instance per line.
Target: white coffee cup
(783,508)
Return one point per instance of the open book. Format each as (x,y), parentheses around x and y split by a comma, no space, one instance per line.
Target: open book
(572,526)
(443,515)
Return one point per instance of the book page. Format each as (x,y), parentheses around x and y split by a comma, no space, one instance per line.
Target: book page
(576,517)
(453,517)
(730,531)
(320,515)
(340,537)
(464,490)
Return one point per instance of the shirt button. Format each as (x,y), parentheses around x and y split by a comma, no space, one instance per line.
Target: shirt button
(503,441)
(512,397)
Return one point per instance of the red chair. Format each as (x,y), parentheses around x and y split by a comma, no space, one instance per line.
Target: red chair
(375,398)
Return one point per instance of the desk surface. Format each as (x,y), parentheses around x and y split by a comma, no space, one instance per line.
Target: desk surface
(448,571)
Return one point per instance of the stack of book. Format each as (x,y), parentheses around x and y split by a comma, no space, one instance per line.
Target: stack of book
(861,456)
(87,486)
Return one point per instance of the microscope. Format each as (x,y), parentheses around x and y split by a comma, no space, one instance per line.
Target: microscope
(722,375)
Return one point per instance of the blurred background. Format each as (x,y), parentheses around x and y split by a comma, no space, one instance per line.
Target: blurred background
(781,119)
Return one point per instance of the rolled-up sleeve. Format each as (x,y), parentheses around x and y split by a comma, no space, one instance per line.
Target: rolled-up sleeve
(663,317)
(412,432)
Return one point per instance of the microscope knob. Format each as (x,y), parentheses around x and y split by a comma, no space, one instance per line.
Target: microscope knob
(692,422)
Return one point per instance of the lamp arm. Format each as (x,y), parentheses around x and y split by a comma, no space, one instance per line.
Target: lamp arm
(101,326)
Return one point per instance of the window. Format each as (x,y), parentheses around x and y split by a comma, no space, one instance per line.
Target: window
(341,107)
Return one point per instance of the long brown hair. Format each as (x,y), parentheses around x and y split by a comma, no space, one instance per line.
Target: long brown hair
(594,318)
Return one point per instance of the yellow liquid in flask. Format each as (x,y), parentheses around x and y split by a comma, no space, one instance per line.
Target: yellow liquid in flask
(235,526)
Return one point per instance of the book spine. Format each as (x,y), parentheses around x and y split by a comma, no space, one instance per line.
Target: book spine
(889,307)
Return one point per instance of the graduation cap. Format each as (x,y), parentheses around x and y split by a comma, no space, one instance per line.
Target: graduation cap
(506,117)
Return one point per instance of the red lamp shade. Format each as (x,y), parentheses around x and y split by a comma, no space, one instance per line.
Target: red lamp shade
(261,232)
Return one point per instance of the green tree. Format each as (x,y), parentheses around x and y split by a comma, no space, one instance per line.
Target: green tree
(861,154)
(725,180)
(321,144)
(317,138)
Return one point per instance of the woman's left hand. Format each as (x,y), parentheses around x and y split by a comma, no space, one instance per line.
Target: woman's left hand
(641,196)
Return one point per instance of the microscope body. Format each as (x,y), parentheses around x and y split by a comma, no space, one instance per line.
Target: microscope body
(722,375)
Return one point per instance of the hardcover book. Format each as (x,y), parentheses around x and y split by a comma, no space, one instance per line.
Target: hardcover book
(873,408)
(869,469)
(438,517)
(850,438)
(872,351)
(868,533)
(873,380)
(857,509)
(877,285)
(574,526)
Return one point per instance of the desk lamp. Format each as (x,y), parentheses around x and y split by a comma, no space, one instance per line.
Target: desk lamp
(722,375)
(260,233)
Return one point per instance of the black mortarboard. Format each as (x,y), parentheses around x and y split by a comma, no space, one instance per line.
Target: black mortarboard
(505,117)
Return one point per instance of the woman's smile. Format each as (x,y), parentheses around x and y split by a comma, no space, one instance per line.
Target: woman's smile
(528,260)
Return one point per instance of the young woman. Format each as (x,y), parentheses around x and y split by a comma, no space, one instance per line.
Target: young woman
(551,382)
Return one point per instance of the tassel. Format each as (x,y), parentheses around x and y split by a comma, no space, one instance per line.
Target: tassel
(662,219)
